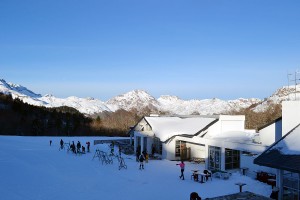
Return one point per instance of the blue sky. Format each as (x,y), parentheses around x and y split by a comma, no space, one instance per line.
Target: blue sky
(192,49)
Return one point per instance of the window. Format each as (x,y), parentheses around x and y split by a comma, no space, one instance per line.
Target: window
(232,159)
(180,149)
(157,145)
(291,189)
(214,158)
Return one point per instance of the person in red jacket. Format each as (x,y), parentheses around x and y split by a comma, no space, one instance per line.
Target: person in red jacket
(181,165)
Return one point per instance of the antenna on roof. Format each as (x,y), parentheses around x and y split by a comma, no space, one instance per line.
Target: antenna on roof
(295,80)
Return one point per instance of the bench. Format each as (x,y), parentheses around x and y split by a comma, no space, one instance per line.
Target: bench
(198,160)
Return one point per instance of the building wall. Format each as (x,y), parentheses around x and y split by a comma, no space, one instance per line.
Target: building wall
(227,123)
(247,161)
(290,115)
(271,133)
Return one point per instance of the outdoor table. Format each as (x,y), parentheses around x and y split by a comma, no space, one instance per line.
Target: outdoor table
(244,169)
(202,177)
(240,185)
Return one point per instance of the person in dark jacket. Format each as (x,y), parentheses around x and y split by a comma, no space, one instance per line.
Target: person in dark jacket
(78,147)
(88,146)
(61,144)
(194,196)
(141,159)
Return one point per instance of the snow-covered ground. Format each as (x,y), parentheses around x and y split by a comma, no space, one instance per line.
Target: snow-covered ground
(31,169)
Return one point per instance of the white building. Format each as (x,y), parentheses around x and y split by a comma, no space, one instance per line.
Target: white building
(284,155)
(221,140)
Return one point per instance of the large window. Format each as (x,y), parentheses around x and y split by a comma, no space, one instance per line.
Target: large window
(232,159)
(291,188)
(180,146)
(214,158)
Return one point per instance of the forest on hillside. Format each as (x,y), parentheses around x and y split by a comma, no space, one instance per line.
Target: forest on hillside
(19,118)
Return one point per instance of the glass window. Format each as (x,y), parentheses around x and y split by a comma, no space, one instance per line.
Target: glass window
(232,159)
(291,186)
(214,158)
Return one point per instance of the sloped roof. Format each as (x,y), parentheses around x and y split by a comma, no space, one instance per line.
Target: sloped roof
(283,154)
(167,127)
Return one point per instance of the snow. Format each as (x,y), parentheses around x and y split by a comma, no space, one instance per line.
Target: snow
(290,144)
(166,127)
(31,169)
(136,99)
(240,136)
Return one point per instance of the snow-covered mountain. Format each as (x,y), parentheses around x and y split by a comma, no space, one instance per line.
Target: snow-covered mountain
(204,107)
(84,105)
(139,100)
(136,99)
(281,94)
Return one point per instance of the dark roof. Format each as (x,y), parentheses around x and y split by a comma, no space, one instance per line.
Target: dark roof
(240,195)
(268,124)
(272,157)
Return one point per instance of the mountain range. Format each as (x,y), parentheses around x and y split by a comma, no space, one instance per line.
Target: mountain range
(140,99)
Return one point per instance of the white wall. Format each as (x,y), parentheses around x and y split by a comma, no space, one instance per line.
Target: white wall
(227,123)
(290,115)
(247,161)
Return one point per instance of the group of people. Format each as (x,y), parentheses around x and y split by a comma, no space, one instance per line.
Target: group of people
(75,149)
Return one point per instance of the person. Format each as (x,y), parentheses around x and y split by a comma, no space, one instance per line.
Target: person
(181,165)
(88,146)
(194,196)
(78,147)
(147,157)
(50,142)
(83,149)
(141,159)
(61,144)
(73,147)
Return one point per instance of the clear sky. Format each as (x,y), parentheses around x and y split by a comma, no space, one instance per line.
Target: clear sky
(192,49)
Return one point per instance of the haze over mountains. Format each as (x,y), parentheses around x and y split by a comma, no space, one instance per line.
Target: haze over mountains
(139,100)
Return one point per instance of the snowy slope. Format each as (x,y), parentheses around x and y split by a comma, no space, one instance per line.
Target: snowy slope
(31,169)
